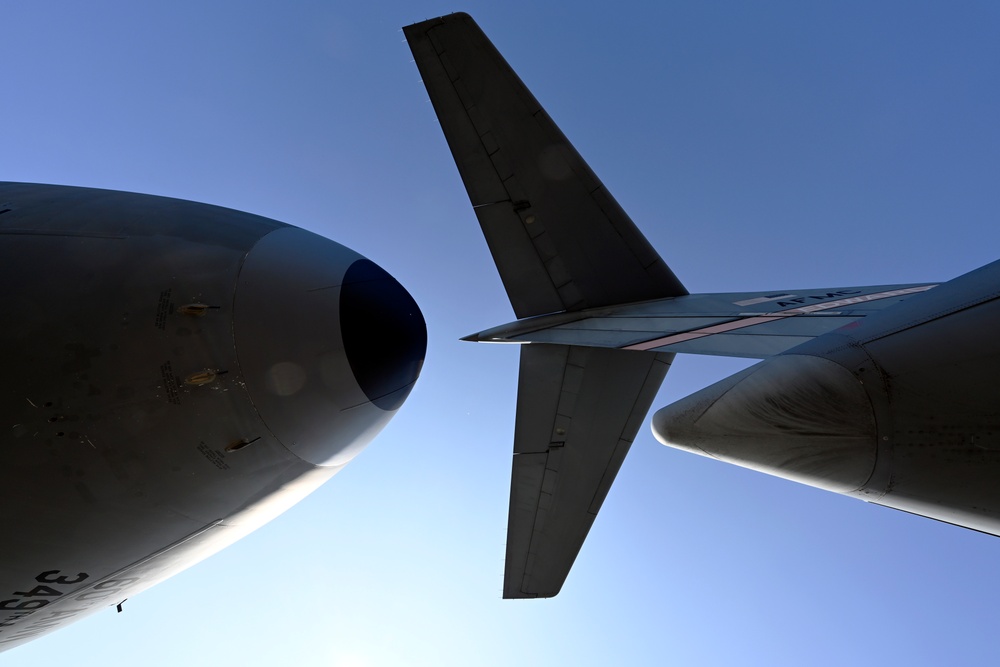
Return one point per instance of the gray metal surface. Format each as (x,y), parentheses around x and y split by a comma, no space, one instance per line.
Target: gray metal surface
(132,445)
(554,230)
(578,410)
(291,350)
(930,369)
(799,417)
(745,324)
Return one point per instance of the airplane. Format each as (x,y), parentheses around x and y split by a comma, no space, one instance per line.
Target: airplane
(885,393)
(177,375)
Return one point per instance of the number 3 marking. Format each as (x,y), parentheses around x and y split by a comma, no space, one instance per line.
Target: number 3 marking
(48,577)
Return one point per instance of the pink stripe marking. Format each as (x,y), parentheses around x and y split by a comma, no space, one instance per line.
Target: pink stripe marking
(771,317)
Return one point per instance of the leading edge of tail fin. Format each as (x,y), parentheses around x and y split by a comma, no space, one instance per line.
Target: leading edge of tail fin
(559,239)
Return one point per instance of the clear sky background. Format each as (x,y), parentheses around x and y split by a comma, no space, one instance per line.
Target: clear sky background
(764,145)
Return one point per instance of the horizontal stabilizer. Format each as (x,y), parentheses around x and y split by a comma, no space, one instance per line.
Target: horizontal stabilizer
(578,410)
(749,324)
(556,234)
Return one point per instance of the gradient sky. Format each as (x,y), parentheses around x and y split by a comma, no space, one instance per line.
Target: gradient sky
(766,145)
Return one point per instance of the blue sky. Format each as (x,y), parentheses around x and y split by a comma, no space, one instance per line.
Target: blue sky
(759,146)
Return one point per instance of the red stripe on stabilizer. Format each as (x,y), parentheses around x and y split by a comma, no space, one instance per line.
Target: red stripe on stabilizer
(772,317)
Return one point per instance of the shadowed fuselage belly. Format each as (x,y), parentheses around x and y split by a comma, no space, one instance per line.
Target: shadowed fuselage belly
(176,375)
(900,409)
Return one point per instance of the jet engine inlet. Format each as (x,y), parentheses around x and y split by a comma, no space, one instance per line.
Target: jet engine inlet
(329,344)
(384,334)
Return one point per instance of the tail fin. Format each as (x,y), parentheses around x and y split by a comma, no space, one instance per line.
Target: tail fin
(555,232)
